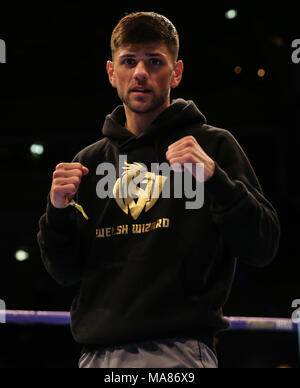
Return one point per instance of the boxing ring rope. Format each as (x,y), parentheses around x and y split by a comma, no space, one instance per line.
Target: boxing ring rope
(63,318)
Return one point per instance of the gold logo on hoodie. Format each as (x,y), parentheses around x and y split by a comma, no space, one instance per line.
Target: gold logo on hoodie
(138,189)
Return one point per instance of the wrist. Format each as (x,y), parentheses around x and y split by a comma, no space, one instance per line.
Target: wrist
(210,170)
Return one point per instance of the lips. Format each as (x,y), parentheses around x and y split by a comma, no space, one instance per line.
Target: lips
(140,90)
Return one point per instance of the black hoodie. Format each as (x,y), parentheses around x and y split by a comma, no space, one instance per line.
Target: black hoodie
(153,270)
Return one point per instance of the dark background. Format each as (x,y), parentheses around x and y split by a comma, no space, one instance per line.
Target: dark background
(54,90)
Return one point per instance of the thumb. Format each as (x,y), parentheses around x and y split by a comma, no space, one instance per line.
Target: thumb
(85,170)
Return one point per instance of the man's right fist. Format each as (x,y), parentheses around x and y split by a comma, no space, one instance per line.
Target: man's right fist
(65,183)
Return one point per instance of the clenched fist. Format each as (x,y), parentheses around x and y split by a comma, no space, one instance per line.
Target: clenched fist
(66,180)
(188,150)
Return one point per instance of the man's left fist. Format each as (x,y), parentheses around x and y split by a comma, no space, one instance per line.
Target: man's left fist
(188,150)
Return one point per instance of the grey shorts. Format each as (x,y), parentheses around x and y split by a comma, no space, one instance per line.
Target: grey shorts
(170,353)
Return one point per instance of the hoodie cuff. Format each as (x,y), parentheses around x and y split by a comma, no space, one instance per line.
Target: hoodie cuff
(60,218)
(223,191)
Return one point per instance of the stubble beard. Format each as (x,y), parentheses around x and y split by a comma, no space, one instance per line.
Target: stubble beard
(140,105)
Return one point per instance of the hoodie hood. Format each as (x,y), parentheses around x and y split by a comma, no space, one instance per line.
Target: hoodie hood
(180,113)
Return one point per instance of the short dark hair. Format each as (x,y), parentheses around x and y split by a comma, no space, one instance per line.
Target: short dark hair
(144,27)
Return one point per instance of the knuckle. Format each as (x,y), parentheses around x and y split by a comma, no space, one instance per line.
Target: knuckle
(190,148)
(79,173)
(55,174)
(77,165)
(76,180)
(189,143)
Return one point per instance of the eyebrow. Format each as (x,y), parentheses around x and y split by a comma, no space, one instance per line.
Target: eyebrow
(147,54)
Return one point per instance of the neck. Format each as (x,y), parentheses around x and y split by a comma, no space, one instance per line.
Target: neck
(138,123)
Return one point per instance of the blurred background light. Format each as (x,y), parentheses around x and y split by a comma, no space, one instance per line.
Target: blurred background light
(238,69)
(261,73)
(21,255)
(231,14)
(37,149)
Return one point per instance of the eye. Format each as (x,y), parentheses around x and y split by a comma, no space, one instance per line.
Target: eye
(128,62)
(155,62)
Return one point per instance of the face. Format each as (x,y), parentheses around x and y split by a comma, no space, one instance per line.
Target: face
(143,75)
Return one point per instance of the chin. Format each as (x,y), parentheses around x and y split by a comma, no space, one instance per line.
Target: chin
(141,108)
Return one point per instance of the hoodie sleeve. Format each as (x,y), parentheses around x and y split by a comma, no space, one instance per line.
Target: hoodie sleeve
(247,220)
(59,243)
(60,239)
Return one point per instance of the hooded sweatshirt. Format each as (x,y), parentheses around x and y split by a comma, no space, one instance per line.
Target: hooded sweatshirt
(152,268)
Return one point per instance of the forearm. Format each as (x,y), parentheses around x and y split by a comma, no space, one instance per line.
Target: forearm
(59,244)
(247,221)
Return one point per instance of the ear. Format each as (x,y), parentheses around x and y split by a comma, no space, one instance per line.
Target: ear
(177,74)
(111,73)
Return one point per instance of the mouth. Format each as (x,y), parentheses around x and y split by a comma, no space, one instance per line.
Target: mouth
(140,91)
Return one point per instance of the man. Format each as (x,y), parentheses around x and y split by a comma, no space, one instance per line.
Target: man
(153,274)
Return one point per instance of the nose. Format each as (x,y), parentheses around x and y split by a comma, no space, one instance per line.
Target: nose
(141,72)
